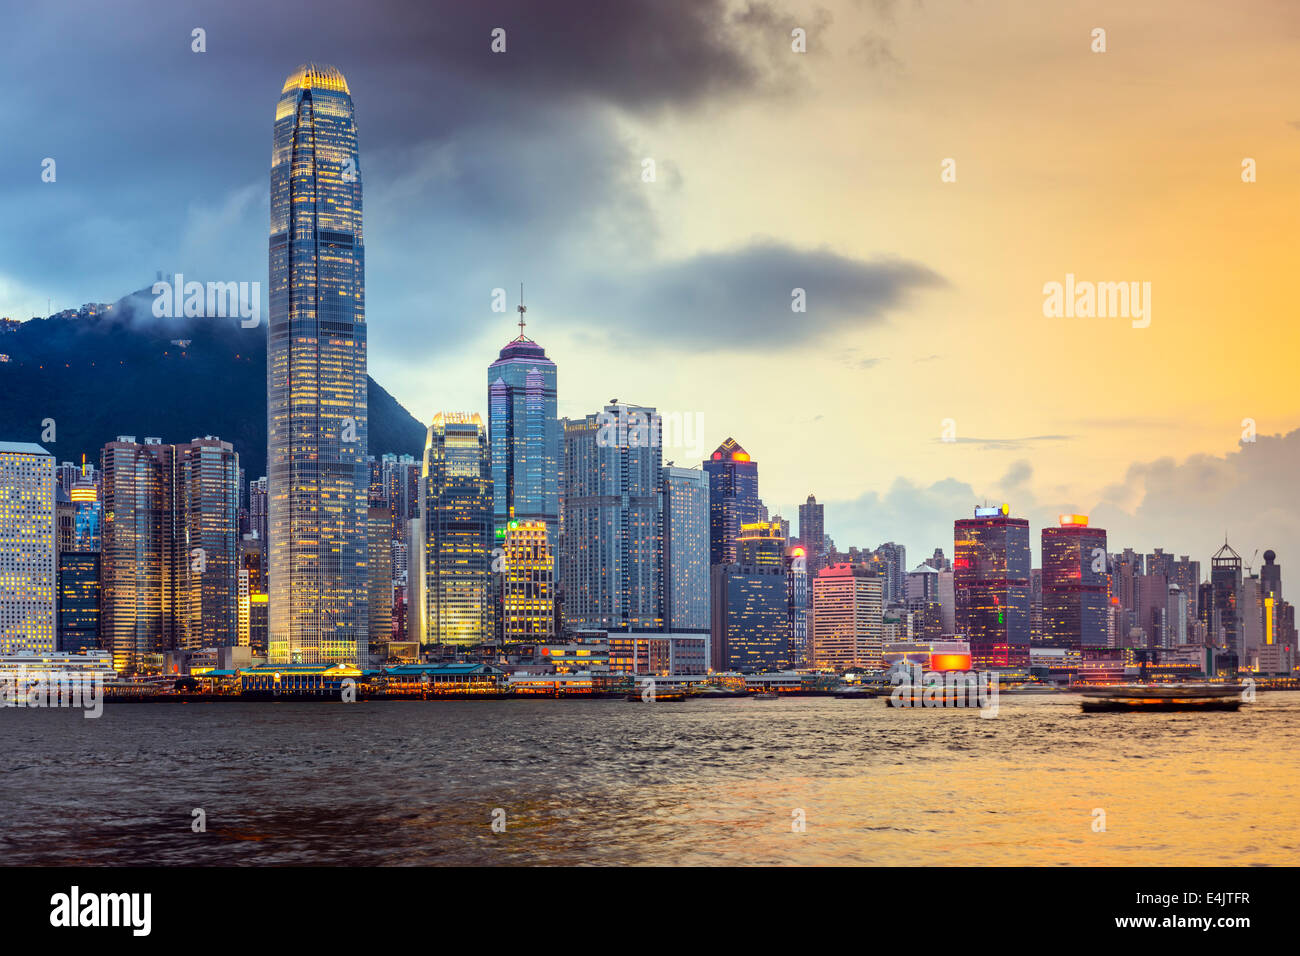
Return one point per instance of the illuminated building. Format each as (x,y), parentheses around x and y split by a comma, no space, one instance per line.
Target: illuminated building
(528,597)
(79,591)
(930,655)
(733,499)
(848,618)
(891,559)
(27,549)
(525,434)
(686,548)
(316,378)
(455,529)
(1074,584)
(798,602)
(87,515)
(170,557)
(812,534)
(751,617)
(1223,614)
(379,524)
(611,557)
(761,544)
(991,586)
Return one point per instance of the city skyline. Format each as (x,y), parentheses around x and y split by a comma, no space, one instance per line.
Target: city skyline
(1144,439)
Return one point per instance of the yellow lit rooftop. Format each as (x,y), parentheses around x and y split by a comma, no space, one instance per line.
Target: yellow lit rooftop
(316,76)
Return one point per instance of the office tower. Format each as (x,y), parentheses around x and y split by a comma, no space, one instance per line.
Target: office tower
(78,604)
(1126,568)
(1074,594)
(244,603)
(1176,613)
(525,434)
(939,562)
(761,544)
(170,556)
(611,559)
(784,525)
(733,499)
(87,515)
(63,519)
(318,481)
(922,582)
(891,559)
(1223,612)
(27,549)
(258,512)
(751,618)
(687,605)
(379,523)
(528,587)
(991,586)
(400,479)
(206,515)
(456,532)
(799,601)
(1270,576)
(812,534)
(848,618)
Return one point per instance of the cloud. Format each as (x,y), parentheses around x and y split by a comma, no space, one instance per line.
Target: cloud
(1005,444)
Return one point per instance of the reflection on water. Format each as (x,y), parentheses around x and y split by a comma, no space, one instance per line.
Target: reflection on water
(613,782)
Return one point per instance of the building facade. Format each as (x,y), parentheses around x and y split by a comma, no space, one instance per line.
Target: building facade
(1075,592)
(686,548)
(991,586)
(317,481)
(27,549)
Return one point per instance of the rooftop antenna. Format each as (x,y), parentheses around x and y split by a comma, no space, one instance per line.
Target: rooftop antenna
(522,309)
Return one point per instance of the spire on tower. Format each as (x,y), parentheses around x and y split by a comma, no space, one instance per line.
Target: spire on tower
(522,309)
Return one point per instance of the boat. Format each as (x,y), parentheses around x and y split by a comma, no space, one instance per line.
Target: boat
(765,695)
(849,692)
(1162,698)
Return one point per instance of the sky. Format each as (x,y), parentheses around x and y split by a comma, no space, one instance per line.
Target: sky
(774,171)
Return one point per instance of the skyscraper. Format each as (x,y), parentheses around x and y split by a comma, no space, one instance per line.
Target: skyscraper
(1224,613)
(812,534)
(991,586)
(456,531)
(848,622)
(318,481)
(525,434)
(686,549)
(733,498)
(27,548)
(170,560)
(612,552)
(1075,597)
(528,589)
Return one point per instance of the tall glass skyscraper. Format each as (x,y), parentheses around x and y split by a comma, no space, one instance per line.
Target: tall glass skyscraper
(525,435)
(316,377)
(991,586)
(612,557)
(456,517)
(686,549)
(1075,593)
(733,498)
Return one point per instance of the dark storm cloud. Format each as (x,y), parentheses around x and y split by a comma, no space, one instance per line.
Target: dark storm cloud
(479,169)
(742,299)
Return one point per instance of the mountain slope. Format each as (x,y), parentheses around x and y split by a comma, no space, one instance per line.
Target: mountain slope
(121,373)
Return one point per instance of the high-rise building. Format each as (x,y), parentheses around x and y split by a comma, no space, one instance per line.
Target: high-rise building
(27,549)
(733,499)
(79,590)
(848,617)
(799,602)
(528,587)
(1223,613)
(761,544)
(456,532)
(379,521)
(318,480)
(611,557)
(891,559)
(525,434)
(170,558)
(991,586)
(751,617)
(1074,590)
(686,549)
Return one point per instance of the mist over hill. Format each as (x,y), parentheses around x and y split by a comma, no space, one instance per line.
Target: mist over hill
(126,372)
